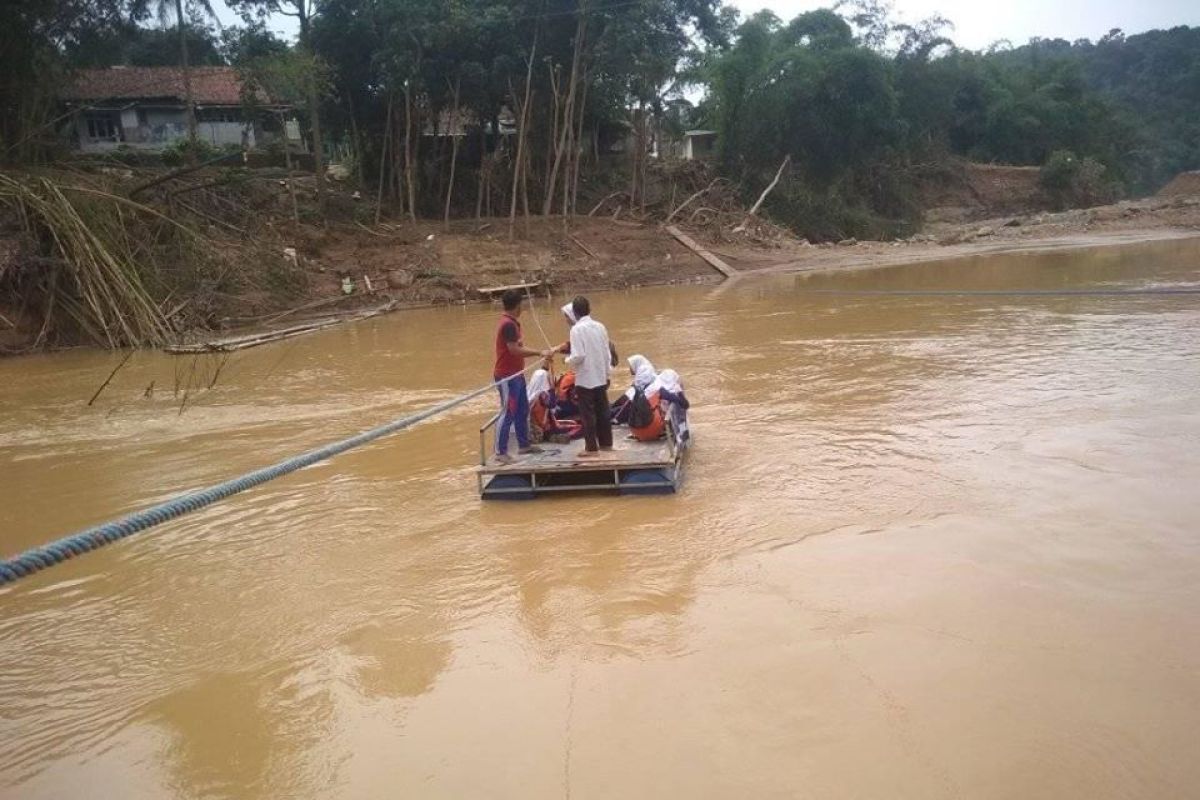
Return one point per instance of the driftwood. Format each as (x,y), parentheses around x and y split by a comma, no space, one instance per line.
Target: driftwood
(255,339)
(108,380)
(179,173)
(583,247)
(597,207)
(691,244)
(687,202)
(492,291)
(754,209)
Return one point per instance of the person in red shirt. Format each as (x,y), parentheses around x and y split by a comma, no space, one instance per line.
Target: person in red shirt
(511,353)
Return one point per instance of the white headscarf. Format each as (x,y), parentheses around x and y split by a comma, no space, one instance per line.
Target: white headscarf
(569,312)
(539,382)
(669,380)
(644,376)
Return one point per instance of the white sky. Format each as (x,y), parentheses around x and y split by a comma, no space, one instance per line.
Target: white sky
(976,24)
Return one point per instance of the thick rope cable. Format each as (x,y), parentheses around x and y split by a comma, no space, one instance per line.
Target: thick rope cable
(47,555)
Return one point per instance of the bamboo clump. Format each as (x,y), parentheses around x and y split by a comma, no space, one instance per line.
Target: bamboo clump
(96,249)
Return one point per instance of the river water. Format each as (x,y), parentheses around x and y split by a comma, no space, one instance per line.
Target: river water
(929,545)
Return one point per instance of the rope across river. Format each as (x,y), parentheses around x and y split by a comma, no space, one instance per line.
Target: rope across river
(47,555)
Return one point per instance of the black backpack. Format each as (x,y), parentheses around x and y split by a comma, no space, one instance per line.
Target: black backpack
(640,412)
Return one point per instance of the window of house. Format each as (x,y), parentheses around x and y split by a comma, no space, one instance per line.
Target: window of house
(219,115)
(103,127)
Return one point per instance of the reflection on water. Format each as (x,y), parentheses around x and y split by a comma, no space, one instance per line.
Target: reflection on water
(928,546)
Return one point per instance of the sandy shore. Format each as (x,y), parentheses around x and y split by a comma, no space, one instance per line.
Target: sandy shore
(867,255)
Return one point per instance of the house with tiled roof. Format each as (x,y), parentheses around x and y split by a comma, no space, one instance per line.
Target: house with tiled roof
(144,108)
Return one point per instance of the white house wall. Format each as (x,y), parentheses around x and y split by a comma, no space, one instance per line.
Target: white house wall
(156,128)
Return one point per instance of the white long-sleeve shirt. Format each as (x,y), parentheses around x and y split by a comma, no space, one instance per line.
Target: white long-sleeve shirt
(590,354)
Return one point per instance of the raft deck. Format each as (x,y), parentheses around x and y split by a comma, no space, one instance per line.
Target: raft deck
(631,467)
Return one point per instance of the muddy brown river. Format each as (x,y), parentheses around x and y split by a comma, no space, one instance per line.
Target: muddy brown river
(942,543)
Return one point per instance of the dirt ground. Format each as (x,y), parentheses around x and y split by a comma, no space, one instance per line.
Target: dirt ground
(396,265)
(1127,222)
(411,265)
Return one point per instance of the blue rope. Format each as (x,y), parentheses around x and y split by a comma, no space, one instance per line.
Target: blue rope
(77,544)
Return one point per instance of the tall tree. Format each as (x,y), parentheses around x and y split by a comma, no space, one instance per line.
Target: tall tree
(303,11)
(165,10)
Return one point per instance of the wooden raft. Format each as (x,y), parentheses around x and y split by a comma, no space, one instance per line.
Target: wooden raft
(629,468)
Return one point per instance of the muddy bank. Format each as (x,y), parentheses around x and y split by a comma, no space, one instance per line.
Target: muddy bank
(1128,222)
(291,275)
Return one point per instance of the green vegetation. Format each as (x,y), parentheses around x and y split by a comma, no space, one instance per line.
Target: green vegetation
(868,109)
(512,107)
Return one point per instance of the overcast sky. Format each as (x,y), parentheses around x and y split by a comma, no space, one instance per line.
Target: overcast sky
(976,24)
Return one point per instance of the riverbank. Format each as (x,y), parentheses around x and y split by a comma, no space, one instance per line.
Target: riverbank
(304,276)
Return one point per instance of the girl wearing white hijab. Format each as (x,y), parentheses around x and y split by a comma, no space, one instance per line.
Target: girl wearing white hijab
(644,378)
(675,404)
(542,407)
(644,375)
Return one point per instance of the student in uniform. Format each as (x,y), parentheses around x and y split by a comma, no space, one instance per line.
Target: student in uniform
(644,377)
(508,373)
(544,422)
(674,405)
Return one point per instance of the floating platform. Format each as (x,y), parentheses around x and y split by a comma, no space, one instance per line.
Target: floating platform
(630,468)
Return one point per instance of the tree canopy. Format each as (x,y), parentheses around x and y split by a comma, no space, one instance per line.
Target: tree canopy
(865,106)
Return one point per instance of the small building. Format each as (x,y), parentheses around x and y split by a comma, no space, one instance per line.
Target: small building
(698,144)
(144,108)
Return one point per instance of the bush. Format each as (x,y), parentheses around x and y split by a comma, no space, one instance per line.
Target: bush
(178,152)
(1072,182)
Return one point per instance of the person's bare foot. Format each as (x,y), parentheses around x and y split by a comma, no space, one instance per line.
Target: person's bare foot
(588,454)
(524,451)
(504,458)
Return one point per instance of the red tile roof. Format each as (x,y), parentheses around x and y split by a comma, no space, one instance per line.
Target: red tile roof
(218,86)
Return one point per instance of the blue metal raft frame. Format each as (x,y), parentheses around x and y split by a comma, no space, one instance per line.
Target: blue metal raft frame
(630,468)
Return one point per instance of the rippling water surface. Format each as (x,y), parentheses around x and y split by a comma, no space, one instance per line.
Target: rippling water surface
(928,546)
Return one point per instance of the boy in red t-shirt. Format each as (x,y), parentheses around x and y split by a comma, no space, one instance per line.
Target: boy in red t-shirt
(511,353)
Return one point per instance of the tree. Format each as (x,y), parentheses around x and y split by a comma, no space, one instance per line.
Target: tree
(303,11)
(164,10)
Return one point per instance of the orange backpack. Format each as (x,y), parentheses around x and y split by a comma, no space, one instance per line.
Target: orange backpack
(654,429)
(562,389)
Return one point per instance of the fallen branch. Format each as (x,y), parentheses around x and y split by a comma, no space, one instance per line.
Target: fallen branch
(583,247)
(687,202)
(256,339)
(596,207)
(179,173)
(108,380)
(754,209)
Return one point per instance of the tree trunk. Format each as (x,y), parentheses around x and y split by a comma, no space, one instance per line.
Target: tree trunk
(483,161)
(579,146)
(356,136)
(314,115)
(522,133)
(387,133)
(568,110)
(186,68)
(408,152)
(453,152)
(633,157)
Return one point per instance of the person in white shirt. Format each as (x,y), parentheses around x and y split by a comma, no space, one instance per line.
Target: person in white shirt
(590,358)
